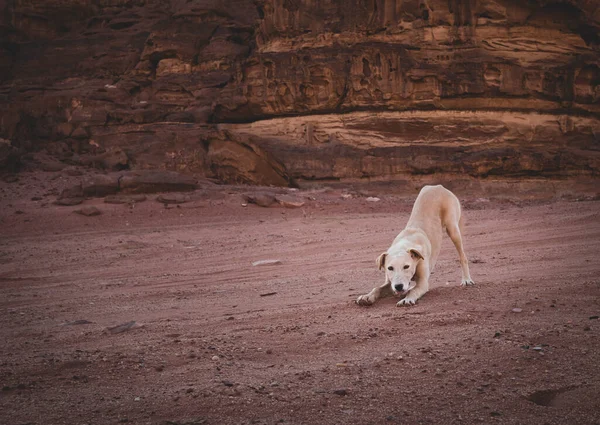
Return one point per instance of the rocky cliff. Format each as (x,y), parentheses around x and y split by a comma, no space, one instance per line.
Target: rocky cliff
(277,91)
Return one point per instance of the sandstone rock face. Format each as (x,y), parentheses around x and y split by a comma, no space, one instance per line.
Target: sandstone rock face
(377,145)
(272,92)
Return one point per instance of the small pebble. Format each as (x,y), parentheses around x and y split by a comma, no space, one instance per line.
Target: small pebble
(517,310)
(266,263)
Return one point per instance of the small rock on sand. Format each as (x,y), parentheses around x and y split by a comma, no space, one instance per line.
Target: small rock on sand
(289,201)
(89,211)
(260,199)
(373,199)
(77,322)
(266,263)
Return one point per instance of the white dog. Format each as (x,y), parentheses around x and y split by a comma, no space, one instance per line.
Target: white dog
(413,254)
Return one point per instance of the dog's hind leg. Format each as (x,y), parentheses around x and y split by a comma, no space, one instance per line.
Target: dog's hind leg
(454,232)
(378,292)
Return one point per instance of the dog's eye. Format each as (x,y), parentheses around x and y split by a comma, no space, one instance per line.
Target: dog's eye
(390,268)
(405,267)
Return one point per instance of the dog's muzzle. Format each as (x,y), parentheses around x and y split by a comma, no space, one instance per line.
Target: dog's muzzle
(400,289)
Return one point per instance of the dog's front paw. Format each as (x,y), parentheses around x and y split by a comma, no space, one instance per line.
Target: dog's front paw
(364,300)
(467,282)
(406,302)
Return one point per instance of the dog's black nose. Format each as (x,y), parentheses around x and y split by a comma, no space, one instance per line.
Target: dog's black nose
(399,287)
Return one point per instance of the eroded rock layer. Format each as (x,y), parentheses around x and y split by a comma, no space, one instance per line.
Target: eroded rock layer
(273,91)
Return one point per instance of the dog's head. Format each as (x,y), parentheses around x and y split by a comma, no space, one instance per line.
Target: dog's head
(400,268)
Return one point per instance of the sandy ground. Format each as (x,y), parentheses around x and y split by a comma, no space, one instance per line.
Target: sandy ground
(217,340)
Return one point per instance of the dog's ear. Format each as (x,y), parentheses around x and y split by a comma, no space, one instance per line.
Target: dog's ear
(414,253)
(381,260)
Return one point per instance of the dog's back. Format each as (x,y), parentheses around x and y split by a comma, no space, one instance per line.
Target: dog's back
(435,205)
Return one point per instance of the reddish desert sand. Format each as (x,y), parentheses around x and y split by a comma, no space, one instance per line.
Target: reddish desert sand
(217,340)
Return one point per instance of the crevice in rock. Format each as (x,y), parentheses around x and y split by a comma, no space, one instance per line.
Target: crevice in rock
(347,73)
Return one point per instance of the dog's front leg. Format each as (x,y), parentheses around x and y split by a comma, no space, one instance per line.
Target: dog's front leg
(382,291)
(420,288)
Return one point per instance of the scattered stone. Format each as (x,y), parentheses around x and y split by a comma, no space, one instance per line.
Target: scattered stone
(260,199)
(341,391)
(215,358)
(346,196)
(517,310)
(36,198)
(288,201)
(18,212)
(266,263)
(537,348)
(372,199)
(227,383)
(88,211)
(268,294)
(124,199)
(594,317)
(172,198)
(123,327)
